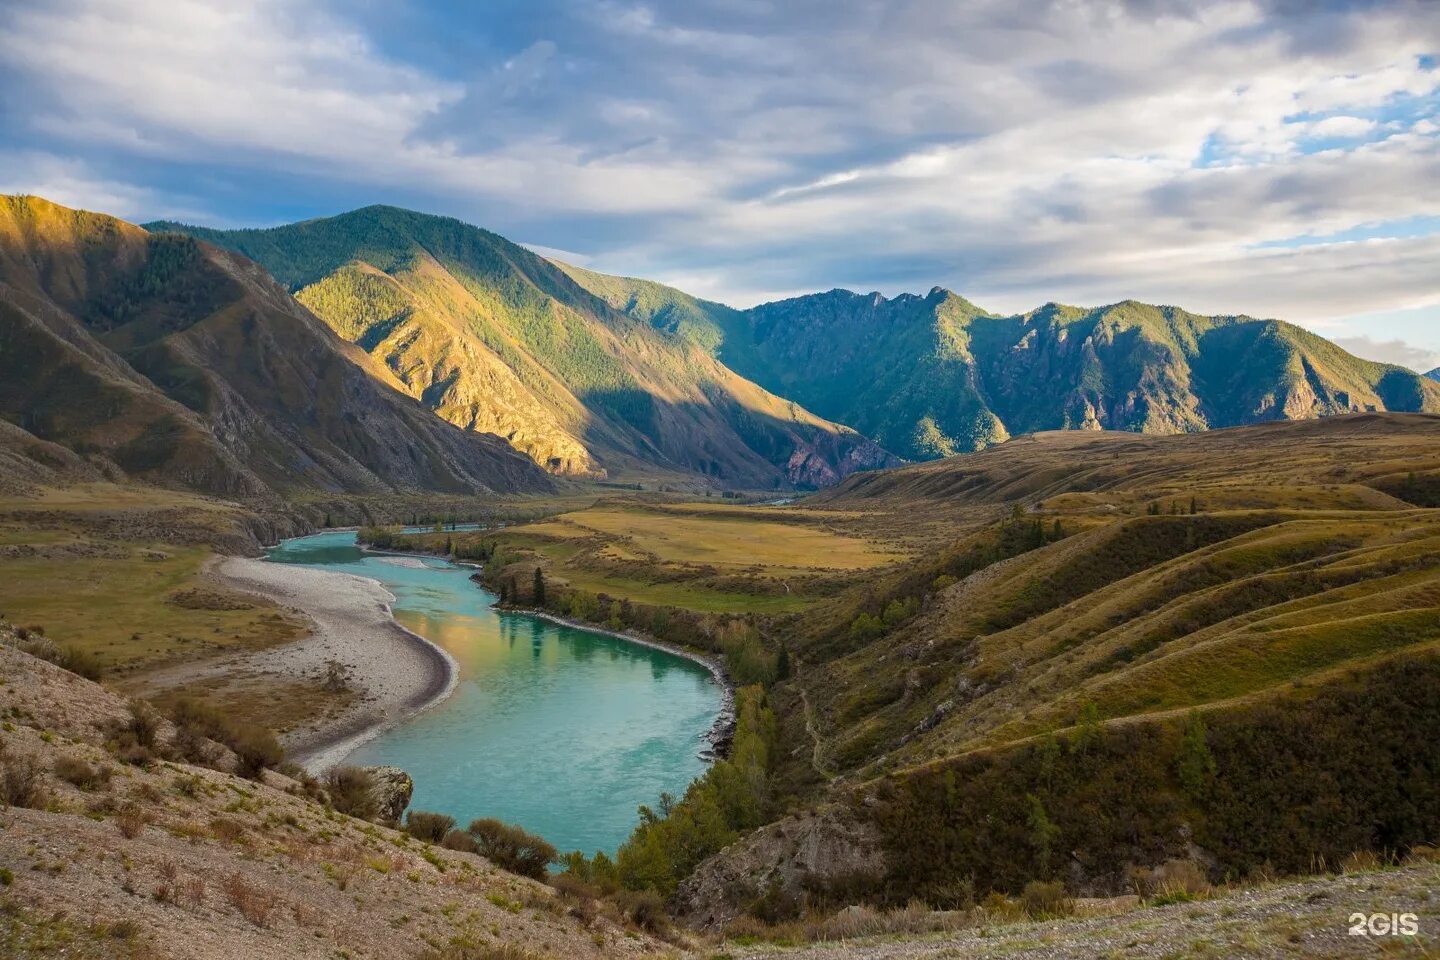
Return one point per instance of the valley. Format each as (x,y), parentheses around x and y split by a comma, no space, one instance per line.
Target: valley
(1170,629)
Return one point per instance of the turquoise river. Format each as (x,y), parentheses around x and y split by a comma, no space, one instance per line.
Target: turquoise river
(562,731)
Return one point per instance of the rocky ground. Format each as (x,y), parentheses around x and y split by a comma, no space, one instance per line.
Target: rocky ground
(1303,918)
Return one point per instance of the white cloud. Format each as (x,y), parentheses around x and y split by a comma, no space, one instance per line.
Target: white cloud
(1017,150)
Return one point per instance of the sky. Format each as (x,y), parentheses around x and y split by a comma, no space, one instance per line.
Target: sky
(1277,158)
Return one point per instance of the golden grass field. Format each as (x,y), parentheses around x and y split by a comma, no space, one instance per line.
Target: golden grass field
(704,557)
(118,572)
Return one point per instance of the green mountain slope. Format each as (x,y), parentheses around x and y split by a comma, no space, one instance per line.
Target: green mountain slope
(162,358)
(495,338)
(936,375)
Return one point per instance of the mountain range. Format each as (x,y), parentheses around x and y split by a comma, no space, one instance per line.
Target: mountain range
(936,375)
(313,356)
(494,338)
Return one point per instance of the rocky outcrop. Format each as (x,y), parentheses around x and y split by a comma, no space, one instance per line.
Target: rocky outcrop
(830,851)
(392,789)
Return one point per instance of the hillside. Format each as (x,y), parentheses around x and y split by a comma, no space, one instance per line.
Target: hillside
(1228,642)
(936,375)
(496,339)
(127,835)
(164,359)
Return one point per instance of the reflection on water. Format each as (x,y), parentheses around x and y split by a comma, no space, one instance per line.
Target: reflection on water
(562,731)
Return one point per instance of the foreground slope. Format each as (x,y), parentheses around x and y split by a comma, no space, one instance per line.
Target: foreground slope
(110,850)
(495,338)
(936,375)
(165,359)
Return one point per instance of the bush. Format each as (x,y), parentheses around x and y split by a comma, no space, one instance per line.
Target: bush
(1044,900)
(646,910)
(512,848)
(254,903)
(461,841)
(255,748)
(352,791)
(131,821)
(21,782)
(77,772)
(427,826)
(1179,881)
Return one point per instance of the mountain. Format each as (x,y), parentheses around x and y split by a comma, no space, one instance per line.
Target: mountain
(166,359)
(936,375)
(494,338)
(1434,374)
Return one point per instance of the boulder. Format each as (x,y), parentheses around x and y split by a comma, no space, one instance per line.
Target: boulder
(392,790)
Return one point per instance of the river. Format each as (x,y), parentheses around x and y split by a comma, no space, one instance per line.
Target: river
(560,730)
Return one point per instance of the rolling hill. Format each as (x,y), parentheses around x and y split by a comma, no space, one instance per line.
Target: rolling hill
(1111,651)
(936,375)
(494,338)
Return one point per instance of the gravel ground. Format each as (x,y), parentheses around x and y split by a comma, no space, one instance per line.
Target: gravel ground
(1306,918)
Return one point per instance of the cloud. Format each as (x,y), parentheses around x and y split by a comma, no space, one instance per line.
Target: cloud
(1420,359)
(1016,150)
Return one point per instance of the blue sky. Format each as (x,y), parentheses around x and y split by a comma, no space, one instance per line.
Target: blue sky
(1277,158)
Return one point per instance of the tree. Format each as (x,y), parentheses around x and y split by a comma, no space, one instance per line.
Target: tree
(1194,507)
(538,589)
(782,665)
(1042,830)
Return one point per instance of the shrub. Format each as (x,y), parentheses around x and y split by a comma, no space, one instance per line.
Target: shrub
(460,840)
(77,772)
(646,910)
(255,748)
(1044,900)
(144,723)
(427,826)
(131,821)
(254,903)
(512,848)
(1180,881)
(22,783)
(352,791)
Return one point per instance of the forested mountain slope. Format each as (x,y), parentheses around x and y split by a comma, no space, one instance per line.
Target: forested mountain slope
(936,375)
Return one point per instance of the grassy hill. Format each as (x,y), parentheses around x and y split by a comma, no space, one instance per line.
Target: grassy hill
(936,375)
(160,358)
(1068,657)
(497,339)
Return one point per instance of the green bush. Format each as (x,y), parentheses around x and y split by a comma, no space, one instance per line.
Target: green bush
(427,826)
(512,848)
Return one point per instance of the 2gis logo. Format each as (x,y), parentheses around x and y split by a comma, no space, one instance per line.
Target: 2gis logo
(1384,924)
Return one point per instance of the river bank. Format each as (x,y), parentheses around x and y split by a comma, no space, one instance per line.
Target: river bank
(395,673)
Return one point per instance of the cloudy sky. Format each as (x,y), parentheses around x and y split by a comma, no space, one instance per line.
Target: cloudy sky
(1276,157)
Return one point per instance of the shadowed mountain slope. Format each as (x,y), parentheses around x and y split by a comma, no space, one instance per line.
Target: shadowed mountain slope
(495,338)
(166,359)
